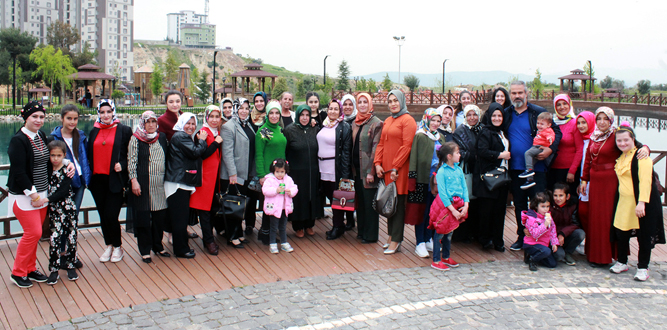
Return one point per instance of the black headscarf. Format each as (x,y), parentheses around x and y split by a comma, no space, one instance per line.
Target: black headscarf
(486,119)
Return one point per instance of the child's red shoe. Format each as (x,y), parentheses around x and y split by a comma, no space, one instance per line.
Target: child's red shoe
(450,262)
(439,266)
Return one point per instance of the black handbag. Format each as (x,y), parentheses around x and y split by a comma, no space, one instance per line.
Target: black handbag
(496,178)
(232,206)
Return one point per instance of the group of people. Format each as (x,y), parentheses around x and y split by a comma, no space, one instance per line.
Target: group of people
(170,174)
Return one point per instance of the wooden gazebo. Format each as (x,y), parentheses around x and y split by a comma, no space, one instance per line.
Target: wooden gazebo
(253,70)
(39,93)
(142,82)
(90,72)
(225,91)
(576,74)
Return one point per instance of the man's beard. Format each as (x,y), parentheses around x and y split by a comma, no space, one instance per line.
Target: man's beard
(518,103)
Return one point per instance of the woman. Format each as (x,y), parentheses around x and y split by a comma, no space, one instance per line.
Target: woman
(238,157)
(502,97)
(227,106)
(586,127)
(465,98)
(492,152)
(350,111)
(466,137)
(564,167)
(167,121)
(184,174)
(201,201)
(269,145)
(599,174)
(366,132)
(423,162)
(446,128)
(301,152)
(258,114)
(392,162)
(313,102)
(107,156)
(334,143)
(146,157)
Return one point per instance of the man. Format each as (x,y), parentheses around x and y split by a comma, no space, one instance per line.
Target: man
(521,123)
(287,115)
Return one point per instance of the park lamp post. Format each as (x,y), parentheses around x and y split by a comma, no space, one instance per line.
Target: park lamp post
(325,69)
(590,76)
(443,75)
(399,42)
(213,93)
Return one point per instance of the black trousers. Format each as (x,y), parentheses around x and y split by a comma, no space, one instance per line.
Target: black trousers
(520,196)
(108,206)
(179,214)
(623,246)
(492,218)
(150,238)
(368,221)
(206,225)
(328,188)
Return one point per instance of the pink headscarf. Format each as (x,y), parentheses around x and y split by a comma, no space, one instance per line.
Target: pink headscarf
(558,119)
(590,120)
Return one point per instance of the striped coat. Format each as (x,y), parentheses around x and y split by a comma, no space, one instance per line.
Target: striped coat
(151,168)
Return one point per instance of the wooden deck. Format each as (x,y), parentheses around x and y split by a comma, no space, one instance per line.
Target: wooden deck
(107,286)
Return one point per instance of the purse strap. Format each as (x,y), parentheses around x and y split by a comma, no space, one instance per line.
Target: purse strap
(238,193)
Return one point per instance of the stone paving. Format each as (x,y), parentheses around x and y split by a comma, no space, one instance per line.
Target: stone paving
(486,295)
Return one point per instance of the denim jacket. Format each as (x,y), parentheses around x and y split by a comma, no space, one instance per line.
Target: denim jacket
(83,157)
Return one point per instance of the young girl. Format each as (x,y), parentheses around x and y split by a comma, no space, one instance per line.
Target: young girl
(452,200)
(542,232)
(62,216)
(279,189)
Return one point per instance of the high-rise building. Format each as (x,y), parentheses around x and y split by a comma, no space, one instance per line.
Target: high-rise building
(188,19)
(32,16)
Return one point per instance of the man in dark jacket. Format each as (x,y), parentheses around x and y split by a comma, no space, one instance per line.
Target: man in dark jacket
(521,122)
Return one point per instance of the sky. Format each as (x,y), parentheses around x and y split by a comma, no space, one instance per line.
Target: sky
(624,39)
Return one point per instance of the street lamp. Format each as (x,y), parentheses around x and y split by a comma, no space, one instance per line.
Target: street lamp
(399,42)
(443,76)
(213,93)
(590,76)
(325,69)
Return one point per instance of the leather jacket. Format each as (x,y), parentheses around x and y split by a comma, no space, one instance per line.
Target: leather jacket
(343,151)
(185,163)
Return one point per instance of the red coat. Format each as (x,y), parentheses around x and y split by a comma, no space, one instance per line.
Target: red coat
(202,198)
(440,217)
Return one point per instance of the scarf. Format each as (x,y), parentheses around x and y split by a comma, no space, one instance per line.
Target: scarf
(297,115)
(225,118)
(257,116)
(447,127)
(182,120)
(561,120)
(267,130)
(207,113)
(328,122)
(425,124)
(401,100)
(486,119)
(363,118)
(354,103)
(590,120)
(266,100)
(598,135)
(114,121)
(477,127)
(237,105)
(140,133)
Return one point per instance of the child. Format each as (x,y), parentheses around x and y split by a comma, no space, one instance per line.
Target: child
(539,224)
(62,216)
(543,139)
(451,203)
(566,218)
(279,189)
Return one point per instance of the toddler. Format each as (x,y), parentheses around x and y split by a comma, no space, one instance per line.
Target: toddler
(543,139)
(541,232)
(278,189)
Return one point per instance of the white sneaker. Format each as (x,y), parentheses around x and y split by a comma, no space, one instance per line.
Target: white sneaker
(618,268)
(273,248)
(286,247)
(581,249)
(117,254)
(107,254)
(429,245)
(642,274)
(420,250)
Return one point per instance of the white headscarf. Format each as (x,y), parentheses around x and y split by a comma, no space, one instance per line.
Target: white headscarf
(354,103)
(183,119)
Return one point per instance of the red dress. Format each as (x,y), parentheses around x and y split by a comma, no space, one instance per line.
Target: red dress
(202,198)
(600,175)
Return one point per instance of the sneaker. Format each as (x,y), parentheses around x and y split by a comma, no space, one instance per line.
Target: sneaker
(37,276)
(439,266)
(420,250)
(72,275)
(273,248)
(78,264)
(21,281)
(529,183)
(526,174)
(53,278)
(518,245)
(106,256)
(117,254)
(450,262)
(581,249)
(532,265)
(526,257)
(618,268)
(286,247)
(642,274)
(569,260)
(429,245)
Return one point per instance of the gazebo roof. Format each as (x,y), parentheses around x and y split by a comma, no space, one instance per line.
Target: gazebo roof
(40,89)
(227,89)
(577,74)
(144,69)
(87,67)
(183,66)
(253,70)
(91,75)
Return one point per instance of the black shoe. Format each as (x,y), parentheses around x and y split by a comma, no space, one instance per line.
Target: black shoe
(188,255)
(147,260)
(363,241)
(499,248)
(248,230)
(163,253)
(526,257)
(518,245)
(532,265)
(488,245)
(349,226)
(236,246)
(72,275)
(78,264)
(53,278)
(192,235)
(37,276)
(359,236)
(263,237)
(21,281)
(335,233)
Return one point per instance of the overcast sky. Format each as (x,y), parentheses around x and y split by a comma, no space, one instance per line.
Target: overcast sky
(622,38)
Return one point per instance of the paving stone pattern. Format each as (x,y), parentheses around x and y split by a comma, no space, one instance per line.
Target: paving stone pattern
(486,295)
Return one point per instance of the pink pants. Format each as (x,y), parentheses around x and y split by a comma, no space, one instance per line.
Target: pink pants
(26,252)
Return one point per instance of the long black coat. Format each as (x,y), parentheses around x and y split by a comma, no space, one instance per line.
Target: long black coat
(489,147)
(301,153)
(118,155)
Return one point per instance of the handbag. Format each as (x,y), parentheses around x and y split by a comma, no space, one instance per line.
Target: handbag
(254,184)
(496,178)
(344,196)
(468,178)
(232,206)
(384,202)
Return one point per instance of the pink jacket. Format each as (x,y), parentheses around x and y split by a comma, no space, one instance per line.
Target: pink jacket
(539,234)
(275,203)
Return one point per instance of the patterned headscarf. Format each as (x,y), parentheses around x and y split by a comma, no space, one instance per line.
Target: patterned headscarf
(140,133)
(237,105)
(477,127)
(266,100)
(558,119)
(425,124)
(447,127)
(114,120)
(207,113)
(598,135)
(327,122)
(222,114)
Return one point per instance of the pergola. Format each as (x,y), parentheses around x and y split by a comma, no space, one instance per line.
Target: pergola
(39,92)
(576,74)
(253,70)
(222,92)
(90,72)
(142,78)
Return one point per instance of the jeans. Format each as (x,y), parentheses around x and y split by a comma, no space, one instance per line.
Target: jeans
(443,248)
(570,244)
(279,225)
(78,197)
(422,233)
(521,196)
(540,254)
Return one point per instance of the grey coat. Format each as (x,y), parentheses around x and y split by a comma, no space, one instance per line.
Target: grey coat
(235,155)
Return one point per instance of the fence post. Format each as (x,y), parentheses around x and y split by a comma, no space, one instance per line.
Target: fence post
(585,96)
(648,99)
(660,100)
(553,94)
(602,97)
(636,98)
(431,97)
(449,96)
(477,97)
(619,97)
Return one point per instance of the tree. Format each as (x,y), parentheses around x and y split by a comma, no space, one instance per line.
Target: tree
(117,94)
(371,85)
(343,76)
(54,66)
(62,35)
(171,67)
(156,81)
(281,86)
(606,82)
(589,71)
(618,84)
(203,87)
(361,85)
(537,82)
(387,84)
(17,44)
(411,81)
(643,86)
(85,56)
(194,75)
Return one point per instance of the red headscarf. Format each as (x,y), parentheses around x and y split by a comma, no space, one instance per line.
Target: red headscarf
(590,120)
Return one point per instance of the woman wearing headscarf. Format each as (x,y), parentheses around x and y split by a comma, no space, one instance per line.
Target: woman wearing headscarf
(301,153)
(146,164)
(183,176)
(502,97)
(492,152)
(107,157)
(564,167)
(258,114)
(227,107)
(466,137)
(446,128)
(238,157)
(586,127)
(392,162)
(465,98)
(366,132)
(201,201)
(334,142)
(350,111)
(423,162)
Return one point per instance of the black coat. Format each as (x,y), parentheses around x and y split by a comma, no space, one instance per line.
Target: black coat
(301,153)
(118,155)
(489,147)
(467,141)
(22,159)
(184,164)
(343,151)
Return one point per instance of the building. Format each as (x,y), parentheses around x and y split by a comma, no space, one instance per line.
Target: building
(175,20)
(198,35)
(32,16)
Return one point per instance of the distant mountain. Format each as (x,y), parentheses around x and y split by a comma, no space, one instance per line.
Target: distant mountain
(452,78)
